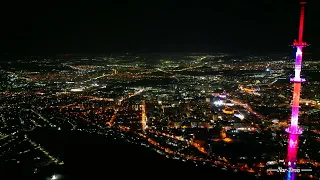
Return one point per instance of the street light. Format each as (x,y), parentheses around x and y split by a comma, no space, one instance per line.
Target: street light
(54,177)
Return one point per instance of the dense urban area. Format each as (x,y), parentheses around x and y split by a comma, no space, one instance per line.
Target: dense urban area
(219,110)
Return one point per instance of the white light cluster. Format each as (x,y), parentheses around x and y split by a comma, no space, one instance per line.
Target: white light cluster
(218,103)
(238,115)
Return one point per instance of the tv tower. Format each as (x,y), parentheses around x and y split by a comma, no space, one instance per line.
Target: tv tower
(294,130)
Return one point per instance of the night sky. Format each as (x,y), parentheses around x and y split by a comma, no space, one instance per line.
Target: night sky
(157,26)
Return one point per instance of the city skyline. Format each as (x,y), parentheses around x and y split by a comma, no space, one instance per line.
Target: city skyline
(138,88)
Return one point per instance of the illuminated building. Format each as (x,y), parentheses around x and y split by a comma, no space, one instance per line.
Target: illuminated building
(229,103)
(223,95)
(76,90)
(248,89)
(228,110)
(239,115)
(218,103)
(294,130)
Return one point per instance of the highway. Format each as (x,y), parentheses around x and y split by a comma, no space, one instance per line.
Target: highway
(117,107)
(43,118)
(247,107)
(143,116)
(113,118)
(37,146)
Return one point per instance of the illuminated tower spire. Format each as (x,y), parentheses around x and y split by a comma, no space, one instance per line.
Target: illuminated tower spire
(294,129)
(297,80)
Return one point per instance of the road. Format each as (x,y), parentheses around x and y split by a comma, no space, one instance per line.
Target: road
(143,116)
(247,107)
(37,146)
(117,107)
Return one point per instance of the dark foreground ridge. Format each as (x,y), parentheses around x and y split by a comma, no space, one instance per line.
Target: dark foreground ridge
(88,156)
